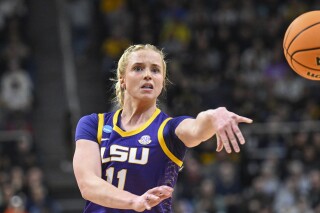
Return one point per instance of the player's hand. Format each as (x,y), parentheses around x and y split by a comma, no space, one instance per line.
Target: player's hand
(227,130)
(152,198)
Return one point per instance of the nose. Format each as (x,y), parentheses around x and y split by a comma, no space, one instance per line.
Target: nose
(147,74)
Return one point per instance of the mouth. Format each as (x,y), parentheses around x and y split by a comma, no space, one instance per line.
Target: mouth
(147,86)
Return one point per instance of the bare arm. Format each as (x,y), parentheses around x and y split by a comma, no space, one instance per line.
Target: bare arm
(87,169)
(218,121)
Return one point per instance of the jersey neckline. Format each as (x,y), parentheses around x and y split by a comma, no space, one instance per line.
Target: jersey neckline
(135,131)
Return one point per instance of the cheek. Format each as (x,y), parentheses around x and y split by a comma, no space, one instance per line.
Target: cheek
(160,83)
(131,81)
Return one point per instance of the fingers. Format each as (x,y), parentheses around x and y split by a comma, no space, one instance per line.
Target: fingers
(230,134)
(225,141)
(232,139)
(151,200)
(161,190)
(238,133)
(241,119)
(156,195)
(219,144)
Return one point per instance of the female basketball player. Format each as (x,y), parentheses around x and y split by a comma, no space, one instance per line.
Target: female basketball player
(128,160)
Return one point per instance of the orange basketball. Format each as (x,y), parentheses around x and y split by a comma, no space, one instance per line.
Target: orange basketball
(301,45)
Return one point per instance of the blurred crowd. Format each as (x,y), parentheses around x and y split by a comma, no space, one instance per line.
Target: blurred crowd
(223,53)
(22,183)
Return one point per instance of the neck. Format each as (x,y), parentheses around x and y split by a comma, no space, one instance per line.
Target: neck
(136,113)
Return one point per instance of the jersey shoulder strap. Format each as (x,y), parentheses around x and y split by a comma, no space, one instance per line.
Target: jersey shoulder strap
(100,126)
(164,146)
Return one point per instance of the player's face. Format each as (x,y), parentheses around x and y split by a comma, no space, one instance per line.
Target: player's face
(144,76)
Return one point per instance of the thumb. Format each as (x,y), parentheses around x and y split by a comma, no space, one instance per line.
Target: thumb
(219,144)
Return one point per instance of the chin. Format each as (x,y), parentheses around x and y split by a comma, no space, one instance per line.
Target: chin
(147,98)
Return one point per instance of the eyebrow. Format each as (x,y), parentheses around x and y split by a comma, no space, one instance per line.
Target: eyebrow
(141,63)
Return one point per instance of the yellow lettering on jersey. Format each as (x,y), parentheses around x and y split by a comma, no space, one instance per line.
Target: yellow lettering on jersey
(102,151)
(144,157)
(119,153)
(123,153)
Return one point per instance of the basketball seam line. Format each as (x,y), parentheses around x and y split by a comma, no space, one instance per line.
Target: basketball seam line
(292,59)
(300,33)
(285,40)
(302,50)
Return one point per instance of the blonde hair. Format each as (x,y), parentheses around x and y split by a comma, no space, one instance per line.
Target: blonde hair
(123,63)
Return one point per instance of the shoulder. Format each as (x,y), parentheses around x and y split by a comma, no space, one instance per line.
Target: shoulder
(169,124)
(89,118)
(93,118)
(172,121)
(175,121)
(87,126)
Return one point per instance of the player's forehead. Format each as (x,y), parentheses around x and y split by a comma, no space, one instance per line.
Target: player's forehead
(145,56)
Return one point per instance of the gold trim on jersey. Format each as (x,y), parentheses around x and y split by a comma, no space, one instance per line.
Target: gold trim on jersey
(100,126)
(136,131)
(164,146)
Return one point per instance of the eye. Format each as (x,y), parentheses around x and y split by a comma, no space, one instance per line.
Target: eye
(155,70)
(138,68)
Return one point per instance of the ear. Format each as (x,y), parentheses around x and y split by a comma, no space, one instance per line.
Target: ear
(122,83)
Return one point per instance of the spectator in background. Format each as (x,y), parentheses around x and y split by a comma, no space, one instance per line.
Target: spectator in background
(191,177)
(175,35)
(206,199)
(269,176)
(11,8)
(255,199)
(228,187)
(18,180)
(112,48)
(7,192)
(16,89)
(80,16)
(16,49)
(254,59)
(287,197)
(39,199)
(18,156)
(25,155)
(314,195)
(115,13)
(16,205)
(41,202)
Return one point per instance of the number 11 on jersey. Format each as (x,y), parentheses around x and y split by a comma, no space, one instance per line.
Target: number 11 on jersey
(121,175)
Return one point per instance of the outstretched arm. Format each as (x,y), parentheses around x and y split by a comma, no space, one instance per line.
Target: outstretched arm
(218,121)
(87,169)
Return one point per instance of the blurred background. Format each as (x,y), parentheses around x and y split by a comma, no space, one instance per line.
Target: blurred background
(56,61)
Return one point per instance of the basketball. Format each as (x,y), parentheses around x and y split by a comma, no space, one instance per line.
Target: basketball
(301,45)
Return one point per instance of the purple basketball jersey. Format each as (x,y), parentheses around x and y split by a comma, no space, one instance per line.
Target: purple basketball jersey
(137,160)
